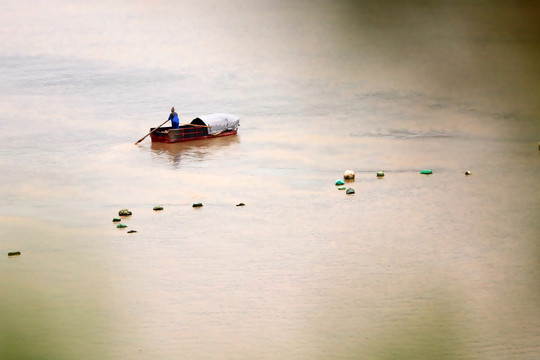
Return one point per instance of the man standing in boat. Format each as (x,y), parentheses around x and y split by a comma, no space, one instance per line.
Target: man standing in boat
(174,119)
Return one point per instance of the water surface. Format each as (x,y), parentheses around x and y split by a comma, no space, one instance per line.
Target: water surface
(412,267)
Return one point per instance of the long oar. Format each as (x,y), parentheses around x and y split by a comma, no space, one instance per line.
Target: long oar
(150,132)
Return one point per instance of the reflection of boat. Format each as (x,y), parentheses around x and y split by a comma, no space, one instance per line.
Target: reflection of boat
(204,127)
(191,151)
(193,148)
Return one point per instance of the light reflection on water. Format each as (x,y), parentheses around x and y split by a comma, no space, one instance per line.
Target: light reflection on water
(409,267)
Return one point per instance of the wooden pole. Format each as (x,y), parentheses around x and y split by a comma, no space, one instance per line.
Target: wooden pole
(150,132)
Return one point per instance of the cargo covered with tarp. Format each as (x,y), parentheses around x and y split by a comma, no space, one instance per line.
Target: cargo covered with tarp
(218,123)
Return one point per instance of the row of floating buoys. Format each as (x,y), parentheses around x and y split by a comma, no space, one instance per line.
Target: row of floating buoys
(348,175)
(123,212)
(126,212)
(430,172)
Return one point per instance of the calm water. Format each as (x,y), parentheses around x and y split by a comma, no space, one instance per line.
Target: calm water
(410,267)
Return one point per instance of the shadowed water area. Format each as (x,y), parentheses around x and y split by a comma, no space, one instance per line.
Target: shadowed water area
(441,266)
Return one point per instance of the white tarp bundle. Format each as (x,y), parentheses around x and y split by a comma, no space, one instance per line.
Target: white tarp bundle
(218,122)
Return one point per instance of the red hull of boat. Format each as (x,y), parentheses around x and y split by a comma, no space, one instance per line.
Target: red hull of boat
(182,134)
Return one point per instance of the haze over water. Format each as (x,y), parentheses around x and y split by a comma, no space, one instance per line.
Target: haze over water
(444,266)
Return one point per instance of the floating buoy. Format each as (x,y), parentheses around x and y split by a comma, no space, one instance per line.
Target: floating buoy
(467,172)
(380,174)
(350,191)
(124,212)
(14,253)
(426,172)
(132,231)
(116,219)
(340,182)
(341,188)
(197,205)
(158,208)
(121,226)
(241,204)
(348,175)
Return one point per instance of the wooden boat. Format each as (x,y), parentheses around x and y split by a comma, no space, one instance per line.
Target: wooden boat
(203,127)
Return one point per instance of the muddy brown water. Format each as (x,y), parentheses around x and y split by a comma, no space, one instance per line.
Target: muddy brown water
(411,266)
